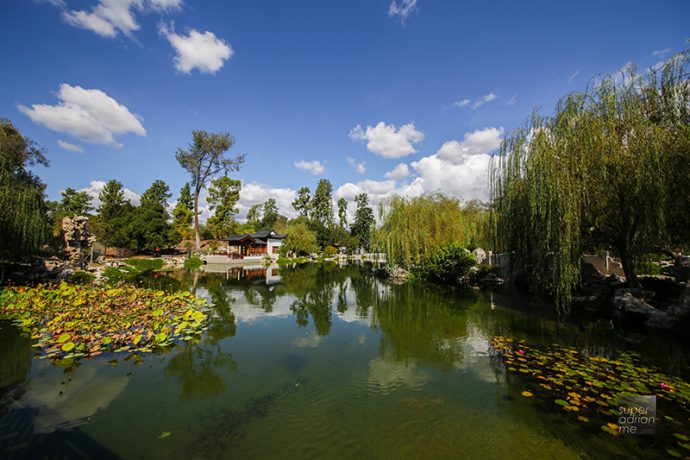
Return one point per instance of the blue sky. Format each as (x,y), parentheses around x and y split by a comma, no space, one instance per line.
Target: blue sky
(378,96)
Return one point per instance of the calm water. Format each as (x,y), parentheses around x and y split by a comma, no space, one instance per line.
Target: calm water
(317,362)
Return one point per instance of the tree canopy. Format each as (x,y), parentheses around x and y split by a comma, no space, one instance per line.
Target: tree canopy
(223,195)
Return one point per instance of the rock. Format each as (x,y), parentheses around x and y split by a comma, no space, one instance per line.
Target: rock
(665,287)
(590,273)
(660,320)
(590,302)
(615,282)
(491,281)
(631,302)
(398,273)
(77,240)
(480,255)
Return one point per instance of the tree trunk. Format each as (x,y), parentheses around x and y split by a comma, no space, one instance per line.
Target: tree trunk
(629,269)
(196,220)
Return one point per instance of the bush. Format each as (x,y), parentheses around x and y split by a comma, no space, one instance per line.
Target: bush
(145,264)
(193,263)
(115,276)
(81,278)
(449,263)
(330,251)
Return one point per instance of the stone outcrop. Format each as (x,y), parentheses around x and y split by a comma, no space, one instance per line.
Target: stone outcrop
(479,255)
(77,240)
(398,274)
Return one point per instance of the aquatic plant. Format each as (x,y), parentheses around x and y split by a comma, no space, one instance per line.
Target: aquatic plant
(592,387)
(68,321)
(193,263)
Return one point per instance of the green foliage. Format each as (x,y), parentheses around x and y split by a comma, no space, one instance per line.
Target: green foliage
(193,263)
(300,241)
(322,203)
(71,322)
(149,229)
(363,227)
(75,203)
(24,222)
(206,158)
(81,278)
(302,203)
(223,196)
(115,216)
(269,214)
(605,171)
(449,263)
(183,214)
(342,212)
(417,227)
(145,264)
(330,251)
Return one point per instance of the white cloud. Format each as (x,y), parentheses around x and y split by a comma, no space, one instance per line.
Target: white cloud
(573,75)
(361,168)
(402,9)
(661,53)
(398,173)
(513,100)
(478,142)
(87,114)
(254,193)
(387,140)
(70,147)
(108,18)
(96,186)
(315,167)
(462,103)
(201,50)
(458,168)
(484,99)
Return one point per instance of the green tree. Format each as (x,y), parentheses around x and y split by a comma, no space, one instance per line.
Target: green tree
(114,215)
(322,203)
(183,213)
(301,241)
(223,195)
(302,203)
(23,212)
(602,172)
(269,214)
(254,216)
(342,212)
(75,203)
(206,158)
(364,222)
(150,228)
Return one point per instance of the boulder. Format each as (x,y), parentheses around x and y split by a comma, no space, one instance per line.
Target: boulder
(491,281)
(480,255)
(398,274)
(632,302)
(665,287)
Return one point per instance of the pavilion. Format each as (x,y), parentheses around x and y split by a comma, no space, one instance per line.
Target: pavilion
(255,245)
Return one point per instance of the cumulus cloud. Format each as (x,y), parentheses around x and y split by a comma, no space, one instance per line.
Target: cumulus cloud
(458,168)
(87,114)
(108,18)
(387,140)
(315,167)
(482,141)
(254,193)
(402,9)
(70,147)
(96,186)
(398,173)
(198,50)
(360,167)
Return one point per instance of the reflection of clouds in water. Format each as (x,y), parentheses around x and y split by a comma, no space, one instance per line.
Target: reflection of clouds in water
(361,338)
(59,406)
(388,375)
(475,353)
(311,340)
(247,313)
(352,316)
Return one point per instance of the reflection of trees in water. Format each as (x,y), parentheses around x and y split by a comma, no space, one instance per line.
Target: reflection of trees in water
(15,361)
(199,365)
(421,324)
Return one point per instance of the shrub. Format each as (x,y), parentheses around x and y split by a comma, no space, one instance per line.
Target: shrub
(330,251)
(193,263)
(81,278)
(145,264)
(449,263)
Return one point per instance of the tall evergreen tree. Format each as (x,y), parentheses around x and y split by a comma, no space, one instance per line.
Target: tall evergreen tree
(75,203)
(342,212)
(150,228)
(269,214)
(322,203)
(114,215)
(364,221)
(302,203)
(223,195)
(183,213)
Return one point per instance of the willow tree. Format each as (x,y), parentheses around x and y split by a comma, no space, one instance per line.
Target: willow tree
(23,212)
(413,228)
(598,173)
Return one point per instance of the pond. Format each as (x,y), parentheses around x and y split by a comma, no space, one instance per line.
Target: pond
(322,361)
